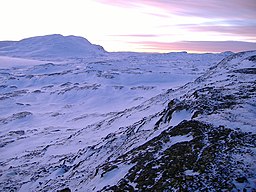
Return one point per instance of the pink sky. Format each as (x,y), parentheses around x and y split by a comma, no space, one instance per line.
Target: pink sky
(137,25)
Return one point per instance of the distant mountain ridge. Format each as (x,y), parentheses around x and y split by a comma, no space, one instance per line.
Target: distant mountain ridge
(50,46)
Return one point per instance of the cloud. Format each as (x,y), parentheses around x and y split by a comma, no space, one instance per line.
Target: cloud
(239,9)
(197,46)
(246,31)
(135,35)
(198,25)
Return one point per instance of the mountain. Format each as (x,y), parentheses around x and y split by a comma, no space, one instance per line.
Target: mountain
(6,43)
(129,122)
(50,46)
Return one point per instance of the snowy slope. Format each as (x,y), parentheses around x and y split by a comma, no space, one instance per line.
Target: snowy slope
(115,122)
(50,46)
(212,148)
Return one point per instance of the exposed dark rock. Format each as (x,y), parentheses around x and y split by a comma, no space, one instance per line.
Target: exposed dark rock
(19,132)
(246,71)
(252,58)
(15,116)
(207,161)
(65,190)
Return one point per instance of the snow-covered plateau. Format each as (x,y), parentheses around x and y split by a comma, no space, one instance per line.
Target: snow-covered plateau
(74,117)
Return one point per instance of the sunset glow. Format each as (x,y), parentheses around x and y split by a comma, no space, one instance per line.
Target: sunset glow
(145,25)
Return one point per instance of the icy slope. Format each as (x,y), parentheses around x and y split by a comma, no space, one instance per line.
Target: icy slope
(51,46)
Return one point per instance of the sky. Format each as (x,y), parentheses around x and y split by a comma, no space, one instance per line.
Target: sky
(137,25)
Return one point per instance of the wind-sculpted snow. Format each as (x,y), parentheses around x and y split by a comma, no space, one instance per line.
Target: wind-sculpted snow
(88,124)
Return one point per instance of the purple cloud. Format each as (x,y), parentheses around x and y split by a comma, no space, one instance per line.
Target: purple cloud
(247,31)
(230,19)
(198,46)
(238,9)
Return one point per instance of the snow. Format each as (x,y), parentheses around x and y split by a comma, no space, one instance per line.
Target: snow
(56,46)
(76,103)
(191,173)
(179,116)
(239,118)
(226,78)
(177,139)
(113,176)
(86,106)
(9,62)
(78,106)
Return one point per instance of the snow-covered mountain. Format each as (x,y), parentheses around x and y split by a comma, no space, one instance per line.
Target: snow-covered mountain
(50,46)
(128,122)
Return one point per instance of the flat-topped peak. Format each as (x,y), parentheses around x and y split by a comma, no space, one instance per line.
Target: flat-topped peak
(54,45)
